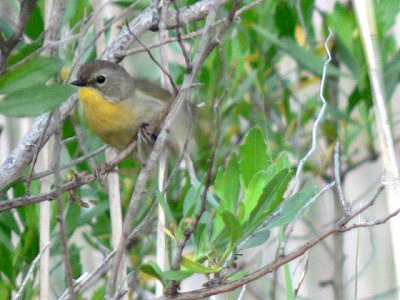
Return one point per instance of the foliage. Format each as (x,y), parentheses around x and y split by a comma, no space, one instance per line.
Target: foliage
(265,128)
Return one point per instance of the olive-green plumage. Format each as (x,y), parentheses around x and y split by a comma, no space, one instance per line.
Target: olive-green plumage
(117,105)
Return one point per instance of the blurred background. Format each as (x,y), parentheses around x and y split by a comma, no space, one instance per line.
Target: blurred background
(265,73)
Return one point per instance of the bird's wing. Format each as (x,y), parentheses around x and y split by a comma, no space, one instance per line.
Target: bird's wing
(153,90)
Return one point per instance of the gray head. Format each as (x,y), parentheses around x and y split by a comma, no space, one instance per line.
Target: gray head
(110,79)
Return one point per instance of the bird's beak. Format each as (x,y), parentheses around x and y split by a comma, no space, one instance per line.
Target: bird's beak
(78,82)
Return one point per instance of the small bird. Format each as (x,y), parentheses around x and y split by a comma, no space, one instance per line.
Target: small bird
(117,105)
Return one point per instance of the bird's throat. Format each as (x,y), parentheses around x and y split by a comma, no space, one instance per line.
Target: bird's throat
(112,122)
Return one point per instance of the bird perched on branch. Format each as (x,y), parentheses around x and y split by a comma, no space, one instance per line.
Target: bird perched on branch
(118,106)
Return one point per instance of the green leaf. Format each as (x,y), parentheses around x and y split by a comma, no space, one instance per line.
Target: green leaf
(193,266)
(192,197)
(8,221)
(35,25)
(257,239)
(152,269)
(344,24)
(285,19)
(238,275)
(254,155)
(386,14)
(294,207)
(177,275)
(253,192)
(34,72)
(35,100)
(76,264)
(170,234)
(276,186)
(200,237)
(100,293)
(305,58)
(166,208)
(227,184)
(233,226)
(286,270)
(210,197)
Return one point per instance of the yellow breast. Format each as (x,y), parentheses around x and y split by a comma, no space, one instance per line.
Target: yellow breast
(112,122)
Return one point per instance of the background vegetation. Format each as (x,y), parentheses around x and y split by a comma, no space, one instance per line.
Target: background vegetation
(268,149)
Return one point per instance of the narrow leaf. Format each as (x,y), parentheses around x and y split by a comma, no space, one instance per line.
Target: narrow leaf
(193,266)
(294,207)
(257,239)
(34,72)
(177,275)
(227,184)
(34,101)
(233,226)
(254,155)
(153,270)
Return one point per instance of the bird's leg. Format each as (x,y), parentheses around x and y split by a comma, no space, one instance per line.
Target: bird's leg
(147,135)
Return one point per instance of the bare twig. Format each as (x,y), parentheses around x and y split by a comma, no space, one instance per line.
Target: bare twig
(78,181)
(171,80)
(296,181)
(179,37)
(303,275)
(345,206)
(65,166)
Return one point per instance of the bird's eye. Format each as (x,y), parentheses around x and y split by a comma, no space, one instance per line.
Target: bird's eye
(100,79)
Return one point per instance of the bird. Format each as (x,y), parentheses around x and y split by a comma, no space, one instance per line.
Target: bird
(117,106)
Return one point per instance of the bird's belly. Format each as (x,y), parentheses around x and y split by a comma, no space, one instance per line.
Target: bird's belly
(114,123)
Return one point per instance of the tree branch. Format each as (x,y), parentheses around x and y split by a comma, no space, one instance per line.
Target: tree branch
(71,185)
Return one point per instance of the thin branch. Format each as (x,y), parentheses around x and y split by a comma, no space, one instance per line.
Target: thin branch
(188,36)
(345,205)
(179,37)
(72,185)
(171,80)
(65,166)
(303,275)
